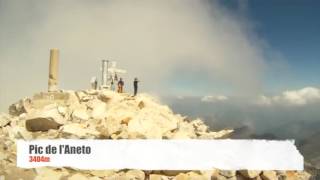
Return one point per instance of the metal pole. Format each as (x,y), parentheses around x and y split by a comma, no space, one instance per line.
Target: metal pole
(107,72)
(104,81)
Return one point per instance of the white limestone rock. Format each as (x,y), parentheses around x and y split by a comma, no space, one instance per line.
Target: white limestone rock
(227,174)
(4,119)
(269,175)
(80,130)
(135,174)
(216,135)
(45,173)
(250,173)
(48,111)
(80,113)
(78,176)
(102,173)
(98,109)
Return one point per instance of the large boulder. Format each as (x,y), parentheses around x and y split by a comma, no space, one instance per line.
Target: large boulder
(41,124)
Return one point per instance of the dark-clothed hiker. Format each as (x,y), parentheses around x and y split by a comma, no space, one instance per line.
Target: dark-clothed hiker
(135,86)
(116,77)
(112,85)
(94,83)
(120,86)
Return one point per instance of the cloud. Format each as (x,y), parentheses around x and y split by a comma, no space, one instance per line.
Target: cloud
(214,98)
(158,41)
(264,100)
(180,97)
(294,97)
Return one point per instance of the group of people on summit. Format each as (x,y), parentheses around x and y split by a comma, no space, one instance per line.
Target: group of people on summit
(120,84)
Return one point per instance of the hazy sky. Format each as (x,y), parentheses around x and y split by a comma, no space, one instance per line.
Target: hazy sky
(292,28)
(236,48)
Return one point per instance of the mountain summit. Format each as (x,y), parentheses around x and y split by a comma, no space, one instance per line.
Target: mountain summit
(105,114)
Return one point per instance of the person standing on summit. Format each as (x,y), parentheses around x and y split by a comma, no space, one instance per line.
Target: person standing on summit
(120,86)
(135,86)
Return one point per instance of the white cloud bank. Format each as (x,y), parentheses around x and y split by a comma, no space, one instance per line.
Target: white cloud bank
(294,97)
(153,40)
(214,98)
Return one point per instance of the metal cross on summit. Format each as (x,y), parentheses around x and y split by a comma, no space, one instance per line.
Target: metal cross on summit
(110,73)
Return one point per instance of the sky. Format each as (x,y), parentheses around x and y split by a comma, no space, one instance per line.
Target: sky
(256,49)
(292,28)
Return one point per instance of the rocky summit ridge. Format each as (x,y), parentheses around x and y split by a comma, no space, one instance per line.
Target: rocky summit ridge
(105,114)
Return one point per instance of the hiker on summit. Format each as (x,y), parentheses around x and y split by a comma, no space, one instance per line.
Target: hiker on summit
(112,85)
(135,86)
(120,86)
(116,77)
(94,83)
